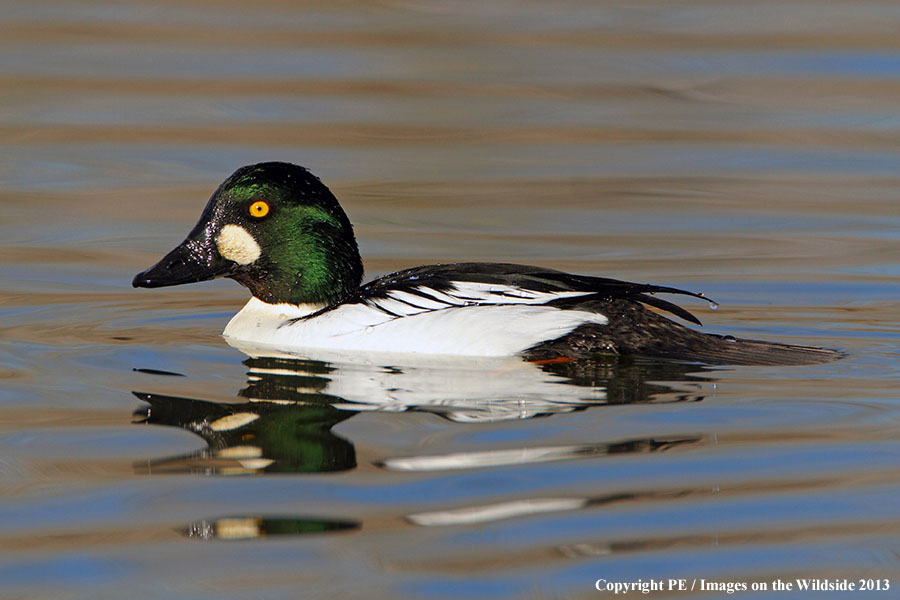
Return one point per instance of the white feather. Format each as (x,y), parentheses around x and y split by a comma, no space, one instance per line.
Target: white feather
(478,330)
(463,293)
(258,317)
(492,293)
(399,307)
(441,296)
(416,300)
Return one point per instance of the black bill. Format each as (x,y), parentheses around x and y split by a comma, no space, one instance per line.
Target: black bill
(192,261)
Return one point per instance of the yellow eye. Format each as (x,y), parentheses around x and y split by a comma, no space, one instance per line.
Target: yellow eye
(259,209)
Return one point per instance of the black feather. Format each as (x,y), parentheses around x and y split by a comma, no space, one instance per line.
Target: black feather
(441,278)
(631,327)
(669,307)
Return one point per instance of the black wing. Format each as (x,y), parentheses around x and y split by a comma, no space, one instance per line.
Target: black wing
(433,287)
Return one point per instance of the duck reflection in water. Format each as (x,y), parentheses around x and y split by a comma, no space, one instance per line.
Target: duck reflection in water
(291,405)
(284,426)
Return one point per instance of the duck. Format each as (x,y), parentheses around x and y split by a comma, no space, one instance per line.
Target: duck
(277,229)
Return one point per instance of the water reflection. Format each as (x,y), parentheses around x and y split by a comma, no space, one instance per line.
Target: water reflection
(466,389)
(518,456)
(252,437)
(289,406)
(248,528)
(470,515)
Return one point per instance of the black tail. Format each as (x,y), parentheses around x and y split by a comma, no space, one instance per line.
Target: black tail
(727,350)
(634,329)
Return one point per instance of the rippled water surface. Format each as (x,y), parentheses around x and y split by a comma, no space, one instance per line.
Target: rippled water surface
(749,151)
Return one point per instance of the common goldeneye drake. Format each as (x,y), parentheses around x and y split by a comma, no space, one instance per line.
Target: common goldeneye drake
(278,230)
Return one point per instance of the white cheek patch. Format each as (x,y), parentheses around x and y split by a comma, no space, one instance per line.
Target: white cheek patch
(235,243)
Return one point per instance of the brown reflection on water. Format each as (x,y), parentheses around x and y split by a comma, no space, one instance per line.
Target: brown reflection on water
(411,24)
(389,134)
(769,91)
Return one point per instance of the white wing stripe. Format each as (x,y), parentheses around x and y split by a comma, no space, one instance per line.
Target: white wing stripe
(397,307)
(463,293)
(441,296)
(419,301)
(507,294)
(423,300)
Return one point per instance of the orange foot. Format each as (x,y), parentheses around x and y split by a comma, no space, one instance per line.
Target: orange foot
(550,361)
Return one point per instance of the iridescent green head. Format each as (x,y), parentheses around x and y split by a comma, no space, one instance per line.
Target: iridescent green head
(275,228)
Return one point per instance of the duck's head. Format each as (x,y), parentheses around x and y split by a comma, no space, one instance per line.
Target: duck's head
(274,228)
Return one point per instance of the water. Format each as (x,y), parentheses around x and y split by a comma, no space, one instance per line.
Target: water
(745,151)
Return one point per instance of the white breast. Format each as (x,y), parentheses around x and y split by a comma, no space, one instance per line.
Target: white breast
(476,330)
(259,319)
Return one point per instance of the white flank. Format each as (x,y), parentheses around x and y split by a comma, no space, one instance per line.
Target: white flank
(477,330)
(235,243)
